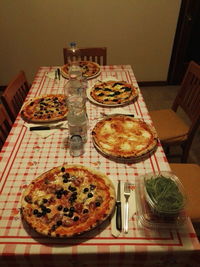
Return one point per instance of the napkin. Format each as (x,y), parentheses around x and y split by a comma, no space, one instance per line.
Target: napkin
(46,133)
(51,74)
(132,209)
(118,111)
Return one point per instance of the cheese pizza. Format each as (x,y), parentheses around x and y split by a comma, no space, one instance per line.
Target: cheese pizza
(113,93)
(67,201)
(45,108)
(124,137)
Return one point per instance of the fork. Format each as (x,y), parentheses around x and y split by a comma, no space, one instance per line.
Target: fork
(127,195)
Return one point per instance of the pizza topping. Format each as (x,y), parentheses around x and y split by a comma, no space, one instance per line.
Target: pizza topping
(56,206)
(89,69)
(45,109)
(113,92)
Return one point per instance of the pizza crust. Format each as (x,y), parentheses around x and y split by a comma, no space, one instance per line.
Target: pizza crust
(124,137)
(33,198)
(52,110)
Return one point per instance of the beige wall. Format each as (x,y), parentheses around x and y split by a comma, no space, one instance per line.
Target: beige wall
(136,32)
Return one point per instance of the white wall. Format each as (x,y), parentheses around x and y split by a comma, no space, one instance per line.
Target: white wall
(136,32)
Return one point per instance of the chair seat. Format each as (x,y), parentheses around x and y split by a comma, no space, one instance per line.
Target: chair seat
(189,175)
(170,128)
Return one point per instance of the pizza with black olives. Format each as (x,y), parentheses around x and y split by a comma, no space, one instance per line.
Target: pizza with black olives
(89,69)
(67,201)
(45,108)
(113,93)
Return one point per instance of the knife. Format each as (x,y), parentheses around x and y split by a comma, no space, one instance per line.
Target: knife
(39,128)
(118,208)
(58,70)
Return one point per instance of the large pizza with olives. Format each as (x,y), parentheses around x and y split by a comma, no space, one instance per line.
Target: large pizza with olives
(113,93)
(89,69)
(67,201)
(45,108)
(124,137)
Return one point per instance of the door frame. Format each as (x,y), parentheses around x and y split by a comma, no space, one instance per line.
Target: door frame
(186,19)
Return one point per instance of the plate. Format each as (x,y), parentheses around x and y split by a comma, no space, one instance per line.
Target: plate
(90,69)
(119,95)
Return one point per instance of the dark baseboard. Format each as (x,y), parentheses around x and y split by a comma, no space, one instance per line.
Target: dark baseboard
(2,87)
(152,83)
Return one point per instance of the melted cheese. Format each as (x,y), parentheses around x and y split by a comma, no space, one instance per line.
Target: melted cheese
(123,136)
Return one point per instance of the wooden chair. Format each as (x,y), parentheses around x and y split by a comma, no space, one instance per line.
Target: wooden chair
(95,54)
(171,128)
(5,125)
(15,94)
(189,175)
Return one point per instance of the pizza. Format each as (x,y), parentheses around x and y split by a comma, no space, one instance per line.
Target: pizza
(67,201)
(89,69)
(124,137)
(45,108)
(113,92)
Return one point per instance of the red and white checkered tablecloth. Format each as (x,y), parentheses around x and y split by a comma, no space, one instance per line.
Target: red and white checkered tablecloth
(25,156)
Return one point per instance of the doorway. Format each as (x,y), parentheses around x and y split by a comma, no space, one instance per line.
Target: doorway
(186,42)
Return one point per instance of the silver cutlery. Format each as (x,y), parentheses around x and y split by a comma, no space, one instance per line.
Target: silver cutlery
(47,127)
(127,194)
(105,114)
(58,71)
(118,207)
(56,74)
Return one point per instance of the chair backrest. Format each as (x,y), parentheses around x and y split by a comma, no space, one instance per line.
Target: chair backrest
(15,94)
(95,54)
(5,125)
(188,97)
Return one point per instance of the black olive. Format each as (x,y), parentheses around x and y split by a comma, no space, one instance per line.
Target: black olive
(101,94)
(85,190)
(59,207)
(117,84)
(72,209)
(70,214)
(35,212)
(97,204)
(71,188)
(85,211)
(65,209)
(48,210)
(63,169)
(66,175)
(92,186)
(76,218)
(59,223)
(39,214)
(126,89)
(45,200)
(90,195)
(53,228)
(65,181)
(65,192)
(59,196)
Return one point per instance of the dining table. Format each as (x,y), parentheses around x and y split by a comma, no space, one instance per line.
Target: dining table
(27,154)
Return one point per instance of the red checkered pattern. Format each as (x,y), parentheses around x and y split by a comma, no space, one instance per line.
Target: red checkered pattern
(25,156)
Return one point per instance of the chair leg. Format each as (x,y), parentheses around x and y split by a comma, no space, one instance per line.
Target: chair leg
(185,153)
(167,150)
